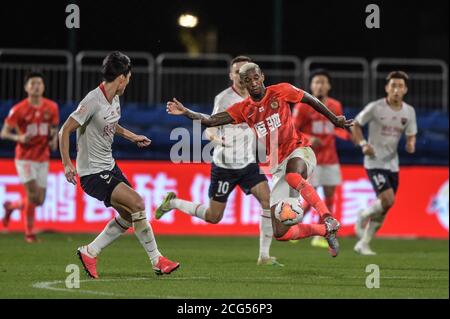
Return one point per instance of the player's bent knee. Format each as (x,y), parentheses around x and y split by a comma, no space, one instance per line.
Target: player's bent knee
(387,202)
(139,205)
(214,218)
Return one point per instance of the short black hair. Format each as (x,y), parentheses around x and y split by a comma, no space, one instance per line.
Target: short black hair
(114,65)
(33,74)
(240,58)
(397,75)
(318,72)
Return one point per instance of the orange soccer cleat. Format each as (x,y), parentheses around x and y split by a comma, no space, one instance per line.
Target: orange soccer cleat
(165,266)
(89,263)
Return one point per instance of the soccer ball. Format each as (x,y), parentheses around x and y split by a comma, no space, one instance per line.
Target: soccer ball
(289,212)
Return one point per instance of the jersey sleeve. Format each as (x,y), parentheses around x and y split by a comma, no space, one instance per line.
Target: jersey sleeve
(13,117)
(366,115)
(291,93)
(411,127)
(85,110)
(235,112)
(217,106)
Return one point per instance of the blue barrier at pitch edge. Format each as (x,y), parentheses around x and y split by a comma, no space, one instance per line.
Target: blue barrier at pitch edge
(154,122)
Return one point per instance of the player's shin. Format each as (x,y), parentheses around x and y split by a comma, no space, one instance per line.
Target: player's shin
(193,209)
(297,182)
(265,234)
(144,233)
(116,227)
(28,212)
(372,227)
(300,231)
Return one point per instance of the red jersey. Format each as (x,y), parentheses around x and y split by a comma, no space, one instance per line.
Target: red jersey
(313,123)
(36,121)
(271,118)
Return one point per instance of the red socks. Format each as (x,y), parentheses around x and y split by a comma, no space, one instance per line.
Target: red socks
(17,204)
(28,213)
(308,192)
(300,231)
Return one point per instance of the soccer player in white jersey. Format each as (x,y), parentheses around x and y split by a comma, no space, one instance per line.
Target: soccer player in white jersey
(388,119)
(96,121)
(234,163)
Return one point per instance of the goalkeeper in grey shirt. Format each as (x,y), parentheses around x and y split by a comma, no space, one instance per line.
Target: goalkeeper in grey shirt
(388,118)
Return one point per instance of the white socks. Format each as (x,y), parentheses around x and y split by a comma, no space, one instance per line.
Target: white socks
(144,233)
(372,227)
(116,227)
(265,233)
(190,208)
(375,209)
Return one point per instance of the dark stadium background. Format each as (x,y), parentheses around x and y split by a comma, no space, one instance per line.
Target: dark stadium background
(308,28)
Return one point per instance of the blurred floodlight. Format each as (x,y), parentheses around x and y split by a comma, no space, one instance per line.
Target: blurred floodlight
(188,21)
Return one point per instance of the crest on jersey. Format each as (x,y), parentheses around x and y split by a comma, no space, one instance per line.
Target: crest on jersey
(47,116)
(274,104)
(404,120)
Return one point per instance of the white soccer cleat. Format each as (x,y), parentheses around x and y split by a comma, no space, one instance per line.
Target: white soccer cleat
(363,248)
(360,225)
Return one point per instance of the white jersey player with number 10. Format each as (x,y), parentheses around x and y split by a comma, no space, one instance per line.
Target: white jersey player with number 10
(388,119)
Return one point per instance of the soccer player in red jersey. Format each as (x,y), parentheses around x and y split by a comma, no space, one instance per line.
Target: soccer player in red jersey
(268,112)
(32,124)
(322,136)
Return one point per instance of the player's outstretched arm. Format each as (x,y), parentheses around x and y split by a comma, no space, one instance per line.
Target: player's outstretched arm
(139,140)
(339,121)
(68,128)
(176,108)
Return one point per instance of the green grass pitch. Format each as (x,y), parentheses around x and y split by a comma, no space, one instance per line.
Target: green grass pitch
(223,267)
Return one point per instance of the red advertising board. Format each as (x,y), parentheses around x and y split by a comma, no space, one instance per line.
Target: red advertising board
(421,208)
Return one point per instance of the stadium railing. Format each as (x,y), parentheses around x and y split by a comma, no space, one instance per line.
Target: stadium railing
(141,89)
(428,80)
(57,65)
(193,78)
(279,68)
(350,77)
(196,79)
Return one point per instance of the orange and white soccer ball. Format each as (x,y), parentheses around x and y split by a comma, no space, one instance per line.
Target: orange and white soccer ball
(289,211)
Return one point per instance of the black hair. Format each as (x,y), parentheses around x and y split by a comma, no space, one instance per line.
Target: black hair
(240,58)
(318,72)
(114,65)
(397,75)
(33,74)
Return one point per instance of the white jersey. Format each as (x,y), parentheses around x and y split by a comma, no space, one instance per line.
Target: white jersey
(386,127)
(98,119)
(240,139)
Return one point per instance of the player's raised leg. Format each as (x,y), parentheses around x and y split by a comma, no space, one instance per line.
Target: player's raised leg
(296,173)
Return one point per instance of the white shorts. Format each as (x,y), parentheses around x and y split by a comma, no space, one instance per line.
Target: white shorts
(31,170)
(280,188)
(326,175)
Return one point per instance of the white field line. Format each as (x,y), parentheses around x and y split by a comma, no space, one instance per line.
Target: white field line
(49,285)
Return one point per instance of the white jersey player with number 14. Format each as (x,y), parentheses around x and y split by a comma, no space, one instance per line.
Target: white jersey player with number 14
(388,119)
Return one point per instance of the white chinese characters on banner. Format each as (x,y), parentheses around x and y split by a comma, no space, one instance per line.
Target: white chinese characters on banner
(60,203)
(356,196)
(5,195)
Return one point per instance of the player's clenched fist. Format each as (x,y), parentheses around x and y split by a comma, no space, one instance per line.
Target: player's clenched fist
(175,107)
(142,141)
(71,173)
